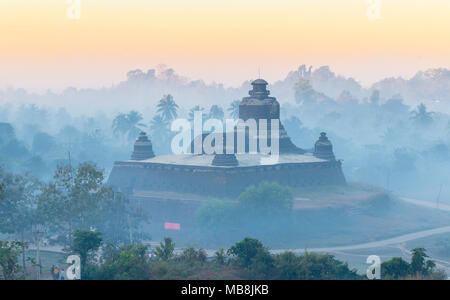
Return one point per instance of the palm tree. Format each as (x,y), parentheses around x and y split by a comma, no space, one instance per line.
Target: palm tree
(120,124)
(234,109)
(128,125)
(168,108)
(216,112)
(194,109)
(134,119)
(158,124)
(421,116)
(160,134)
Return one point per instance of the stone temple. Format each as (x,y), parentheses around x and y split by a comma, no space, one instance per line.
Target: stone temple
(227,175)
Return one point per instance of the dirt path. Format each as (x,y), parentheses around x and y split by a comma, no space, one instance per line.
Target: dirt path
(382,243)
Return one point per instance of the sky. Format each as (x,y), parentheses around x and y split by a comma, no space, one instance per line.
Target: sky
(225,41)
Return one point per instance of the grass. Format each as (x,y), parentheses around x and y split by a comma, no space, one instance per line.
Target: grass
(335,196)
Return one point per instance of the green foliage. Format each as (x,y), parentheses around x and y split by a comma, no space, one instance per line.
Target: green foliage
(191,255)
(419,264)
(421,117)
(324,267)
(85,243)
(266,198)
(74,198)
(251,254)
(9,256)
(312,266)
(246,251)
(130,262)
(288,264)
(262,265)
(165,249)
(216,212)
(18,205)
(249,260)
(77,198)
(220,256)
(17,208)
(419,268)
(395,268)
(119,219)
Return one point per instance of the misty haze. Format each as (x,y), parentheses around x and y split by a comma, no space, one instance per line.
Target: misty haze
(93,186)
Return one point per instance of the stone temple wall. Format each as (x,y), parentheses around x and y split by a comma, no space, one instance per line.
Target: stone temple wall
(219,181)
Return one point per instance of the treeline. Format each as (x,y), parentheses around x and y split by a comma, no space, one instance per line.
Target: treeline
(382,140)
(245,260)
(76,198)
(36,139)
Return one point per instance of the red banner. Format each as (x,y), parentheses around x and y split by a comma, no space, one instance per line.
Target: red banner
(173,226)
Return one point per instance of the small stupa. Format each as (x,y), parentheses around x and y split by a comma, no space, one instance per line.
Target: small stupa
(142,148)
(323,148)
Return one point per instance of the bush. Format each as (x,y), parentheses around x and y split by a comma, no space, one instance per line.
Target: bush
(314,266)
(420,267)
(165,250)
(246,250)
(130,263)
(9,254)
(85,243)
(395,268)
(191,255)
(267,198)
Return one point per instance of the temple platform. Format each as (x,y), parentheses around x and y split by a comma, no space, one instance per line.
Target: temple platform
(195,174)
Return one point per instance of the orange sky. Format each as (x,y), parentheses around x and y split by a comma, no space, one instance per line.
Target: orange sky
(222,40)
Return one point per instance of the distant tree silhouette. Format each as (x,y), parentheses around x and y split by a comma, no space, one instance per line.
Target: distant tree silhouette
(6,133)
(167,108)
(158,124)
(216,112)
(304,93)
(127,124)
(42,143)
(421,116)
(160,134)
(234,109)
(375,97)
(194,109)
